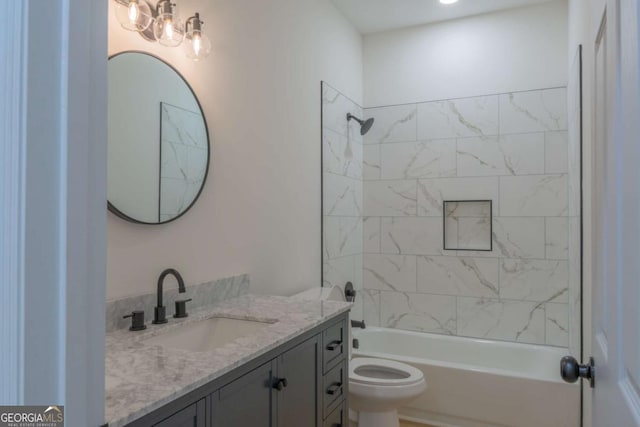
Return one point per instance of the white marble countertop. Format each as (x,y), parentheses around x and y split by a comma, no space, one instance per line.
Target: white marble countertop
(141,378)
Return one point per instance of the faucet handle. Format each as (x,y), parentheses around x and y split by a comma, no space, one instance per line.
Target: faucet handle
(137,320)
(181,308)
(349,292)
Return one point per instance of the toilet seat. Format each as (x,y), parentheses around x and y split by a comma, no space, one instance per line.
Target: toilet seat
(385,372)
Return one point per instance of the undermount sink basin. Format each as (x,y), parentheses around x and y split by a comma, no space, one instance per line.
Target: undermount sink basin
(207,334)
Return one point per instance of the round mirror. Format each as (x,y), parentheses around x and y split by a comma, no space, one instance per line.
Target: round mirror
(158,140)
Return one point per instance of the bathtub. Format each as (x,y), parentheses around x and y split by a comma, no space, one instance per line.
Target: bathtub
(478,383)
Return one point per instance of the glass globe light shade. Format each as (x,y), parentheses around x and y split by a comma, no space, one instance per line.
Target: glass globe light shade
(197,45)
(133,15)
(168,29)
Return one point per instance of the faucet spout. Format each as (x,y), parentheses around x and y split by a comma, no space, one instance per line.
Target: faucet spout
(358,324)
(160,310)
(165,273)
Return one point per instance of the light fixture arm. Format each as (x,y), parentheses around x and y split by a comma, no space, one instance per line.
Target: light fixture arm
(196,24)
(165,7)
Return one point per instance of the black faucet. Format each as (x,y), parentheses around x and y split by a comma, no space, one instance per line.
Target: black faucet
(160,312)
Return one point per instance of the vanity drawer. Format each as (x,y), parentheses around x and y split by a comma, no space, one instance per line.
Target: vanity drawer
(334,387)
(334,340)
(338,418)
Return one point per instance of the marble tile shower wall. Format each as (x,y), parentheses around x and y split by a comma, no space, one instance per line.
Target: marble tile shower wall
(342,193)
(184,155)
(510,148)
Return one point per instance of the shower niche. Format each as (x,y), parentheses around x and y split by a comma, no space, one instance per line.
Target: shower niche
(467,225)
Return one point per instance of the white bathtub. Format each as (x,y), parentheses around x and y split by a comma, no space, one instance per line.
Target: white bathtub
(479,383)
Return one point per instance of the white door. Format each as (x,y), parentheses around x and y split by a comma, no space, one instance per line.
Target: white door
(616,210)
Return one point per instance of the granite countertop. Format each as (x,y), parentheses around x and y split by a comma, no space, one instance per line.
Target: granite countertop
(141,378)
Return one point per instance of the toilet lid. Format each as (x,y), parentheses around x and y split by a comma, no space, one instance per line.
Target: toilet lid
(367,370)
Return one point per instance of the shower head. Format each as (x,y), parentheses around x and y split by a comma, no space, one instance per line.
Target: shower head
(365,125)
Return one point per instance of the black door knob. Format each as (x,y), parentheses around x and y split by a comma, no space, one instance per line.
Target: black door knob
(571,370)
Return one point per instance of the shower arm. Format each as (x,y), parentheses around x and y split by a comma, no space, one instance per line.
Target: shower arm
(351,116)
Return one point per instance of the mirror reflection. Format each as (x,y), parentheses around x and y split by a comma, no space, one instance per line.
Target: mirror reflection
(158,140)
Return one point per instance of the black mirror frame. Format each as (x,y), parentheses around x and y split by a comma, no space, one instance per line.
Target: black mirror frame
(110,206)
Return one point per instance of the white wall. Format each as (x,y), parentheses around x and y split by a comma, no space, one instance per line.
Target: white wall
(260,91)
(486,54)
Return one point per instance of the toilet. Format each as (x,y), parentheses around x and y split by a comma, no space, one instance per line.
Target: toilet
(377,387)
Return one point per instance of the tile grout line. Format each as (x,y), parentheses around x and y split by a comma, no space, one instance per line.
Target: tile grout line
(425,178)
(450,137)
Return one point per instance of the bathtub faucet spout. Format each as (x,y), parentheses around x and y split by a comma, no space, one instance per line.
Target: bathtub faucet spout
(358,324)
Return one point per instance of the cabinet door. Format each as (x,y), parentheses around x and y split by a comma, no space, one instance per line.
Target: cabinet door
(247,401)
(298,402)
(191,416)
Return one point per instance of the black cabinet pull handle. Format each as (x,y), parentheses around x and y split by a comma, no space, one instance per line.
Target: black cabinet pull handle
(333,345)
(333,388)
(280,384)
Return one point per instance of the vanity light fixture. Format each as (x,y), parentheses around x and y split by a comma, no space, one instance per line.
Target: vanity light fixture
(133,15)
(197,44)
(167,28)
(448,1)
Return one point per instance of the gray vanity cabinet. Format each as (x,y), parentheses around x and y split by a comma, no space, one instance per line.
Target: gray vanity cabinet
(191,416)
(282,393)
(301,383)
(247,401)
(298,402)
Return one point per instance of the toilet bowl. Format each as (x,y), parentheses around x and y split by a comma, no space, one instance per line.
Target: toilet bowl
(378,387)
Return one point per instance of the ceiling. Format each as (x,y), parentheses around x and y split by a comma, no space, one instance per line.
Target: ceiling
(371,16)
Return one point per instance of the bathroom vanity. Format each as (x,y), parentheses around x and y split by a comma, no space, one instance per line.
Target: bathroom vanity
(290,372)
(249,361)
